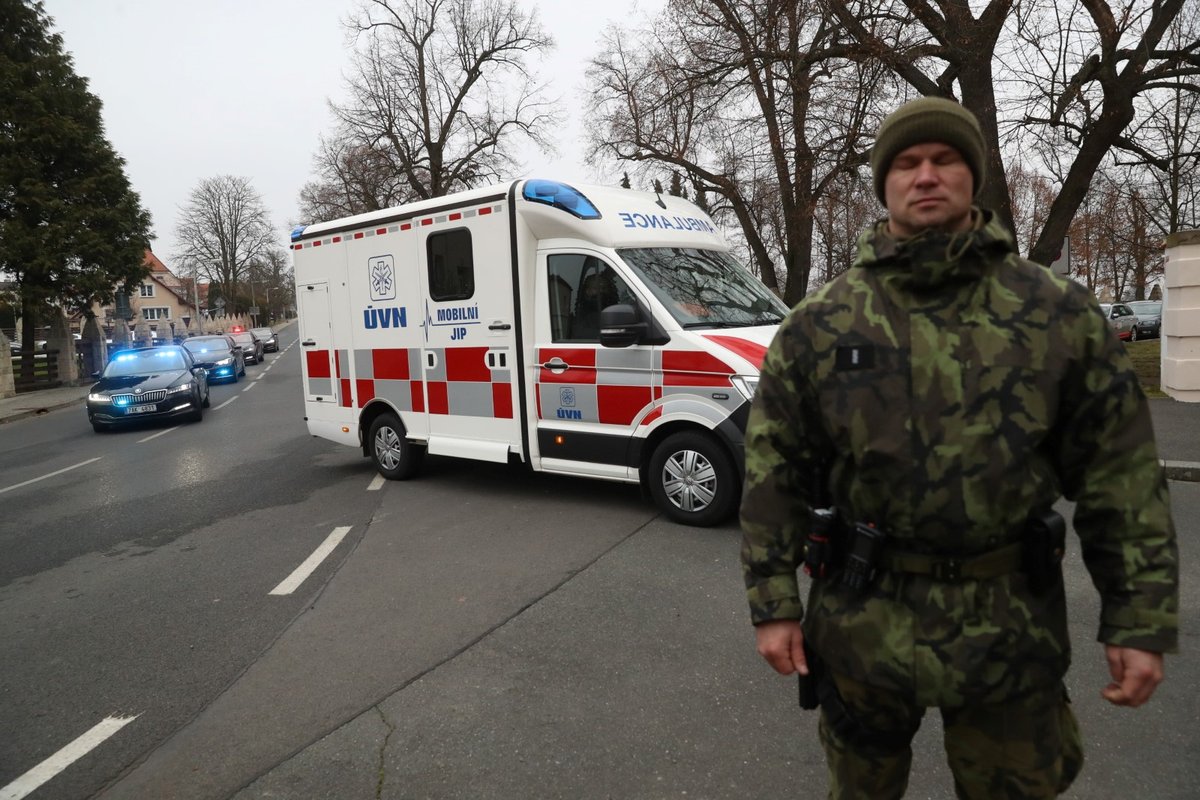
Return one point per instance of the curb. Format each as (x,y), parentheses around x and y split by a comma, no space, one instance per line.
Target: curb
(46,409)
(1182,471)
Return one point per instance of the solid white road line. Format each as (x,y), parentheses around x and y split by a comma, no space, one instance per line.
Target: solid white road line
(64,758)
(293,581)
(227,402)
(49,475)
(376,484)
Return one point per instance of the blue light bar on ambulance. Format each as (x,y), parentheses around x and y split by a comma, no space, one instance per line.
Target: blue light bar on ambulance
(559,195)
(297,232)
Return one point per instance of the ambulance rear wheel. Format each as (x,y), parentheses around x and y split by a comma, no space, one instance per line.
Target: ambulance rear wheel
(693,480)
(396,458)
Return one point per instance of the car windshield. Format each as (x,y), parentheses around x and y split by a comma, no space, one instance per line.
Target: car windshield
(704,288)
(262,333)
(143,362)
(1146,307)
(243,338)
(200,346)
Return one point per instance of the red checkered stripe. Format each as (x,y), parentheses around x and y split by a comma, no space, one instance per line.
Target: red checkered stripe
(461,385)
(600,392)
(400,227)
(317,374)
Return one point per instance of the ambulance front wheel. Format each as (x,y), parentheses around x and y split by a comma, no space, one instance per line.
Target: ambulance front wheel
(693,479)
(395,457)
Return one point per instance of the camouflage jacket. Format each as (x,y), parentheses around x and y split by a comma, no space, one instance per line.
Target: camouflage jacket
(945,388)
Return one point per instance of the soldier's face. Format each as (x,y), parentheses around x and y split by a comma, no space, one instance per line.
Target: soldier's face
(928,186)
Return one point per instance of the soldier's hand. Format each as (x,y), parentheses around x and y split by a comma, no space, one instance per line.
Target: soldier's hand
(1135,673)
(781,643)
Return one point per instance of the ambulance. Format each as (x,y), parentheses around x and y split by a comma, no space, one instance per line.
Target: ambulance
(592,331)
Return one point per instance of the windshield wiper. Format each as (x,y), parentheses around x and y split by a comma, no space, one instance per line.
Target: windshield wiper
(716,324)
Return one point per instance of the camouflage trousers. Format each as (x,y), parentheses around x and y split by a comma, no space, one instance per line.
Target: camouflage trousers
(1028,748)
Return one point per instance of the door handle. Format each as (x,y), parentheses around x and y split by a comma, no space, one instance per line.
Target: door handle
(499,326)
(308,343)
(556,365)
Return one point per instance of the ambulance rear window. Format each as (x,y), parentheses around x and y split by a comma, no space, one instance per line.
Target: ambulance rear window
(451,266)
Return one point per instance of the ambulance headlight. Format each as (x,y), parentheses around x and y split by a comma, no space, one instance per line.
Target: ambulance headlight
(746,384)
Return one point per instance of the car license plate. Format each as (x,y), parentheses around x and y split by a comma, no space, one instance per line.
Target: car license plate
(141,409)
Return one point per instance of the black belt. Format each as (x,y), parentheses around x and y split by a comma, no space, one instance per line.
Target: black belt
(950,569)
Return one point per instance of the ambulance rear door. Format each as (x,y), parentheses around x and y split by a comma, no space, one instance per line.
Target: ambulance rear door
(312,300)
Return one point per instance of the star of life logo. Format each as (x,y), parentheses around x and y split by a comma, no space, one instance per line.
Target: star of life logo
(382,273)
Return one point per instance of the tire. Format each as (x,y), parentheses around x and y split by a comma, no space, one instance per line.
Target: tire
(1133,334)
(693,479)
(207,400)
(197,414)
(396,458)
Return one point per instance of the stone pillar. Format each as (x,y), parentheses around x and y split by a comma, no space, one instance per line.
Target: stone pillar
(120,335)
(141,330)
(8,387)
(1181,317)
(93,348)
(60,339)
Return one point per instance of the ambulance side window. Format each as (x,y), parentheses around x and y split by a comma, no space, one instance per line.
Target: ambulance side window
(451,267)
(580,286)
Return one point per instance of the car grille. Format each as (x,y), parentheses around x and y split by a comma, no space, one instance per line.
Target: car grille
(135,399)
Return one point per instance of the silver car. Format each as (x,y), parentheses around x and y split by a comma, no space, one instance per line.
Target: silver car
(1122,319)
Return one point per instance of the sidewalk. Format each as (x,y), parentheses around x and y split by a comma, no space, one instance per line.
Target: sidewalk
(1176,425)
(31,404)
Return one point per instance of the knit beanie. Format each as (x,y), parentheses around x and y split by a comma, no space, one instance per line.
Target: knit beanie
(928,119)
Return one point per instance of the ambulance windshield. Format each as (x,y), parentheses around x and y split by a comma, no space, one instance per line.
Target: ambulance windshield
(704,288)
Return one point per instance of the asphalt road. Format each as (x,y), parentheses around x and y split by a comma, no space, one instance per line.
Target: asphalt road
(479,632)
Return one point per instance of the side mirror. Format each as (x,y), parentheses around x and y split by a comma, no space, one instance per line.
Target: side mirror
(620,326)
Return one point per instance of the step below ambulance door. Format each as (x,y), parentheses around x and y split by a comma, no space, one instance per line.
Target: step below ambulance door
(589,398)
(469,358)
(312,300)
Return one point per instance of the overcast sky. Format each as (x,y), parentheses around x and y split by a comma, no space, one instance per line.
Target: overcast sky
(192,90)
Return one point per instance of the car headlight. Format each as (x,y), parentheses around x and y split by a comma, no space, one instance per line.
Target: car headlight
(746,384)
(183,387)
(98,398)
(225,362)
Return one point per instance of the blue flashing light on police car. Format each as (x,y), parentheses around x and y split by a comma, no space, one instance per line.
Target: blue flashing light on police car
(560,195)
(297,232)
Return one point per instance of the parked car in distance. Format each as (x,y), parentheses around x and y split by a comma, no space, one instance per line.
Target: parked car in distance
(148,383)
(1149,314)
(251,346)
(219,355)
(270,340)
(1122,319)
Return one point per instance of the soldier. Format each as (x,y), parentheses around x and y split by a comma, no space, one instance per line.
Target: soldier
(915,421)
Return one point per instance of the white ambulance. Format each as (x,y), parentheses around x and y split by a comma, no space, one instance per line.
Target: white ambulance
(590,331)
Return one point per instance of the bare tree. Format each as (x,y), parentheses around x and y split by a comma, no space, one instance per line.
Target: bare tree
(441,95)
(352,178)
(222,231)
(1075,72)
(271,275)
(1165,140)
(843,211)
(750,100)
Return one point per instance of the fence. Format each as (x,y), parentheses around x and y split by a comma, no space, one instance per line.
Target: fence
(34,371)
